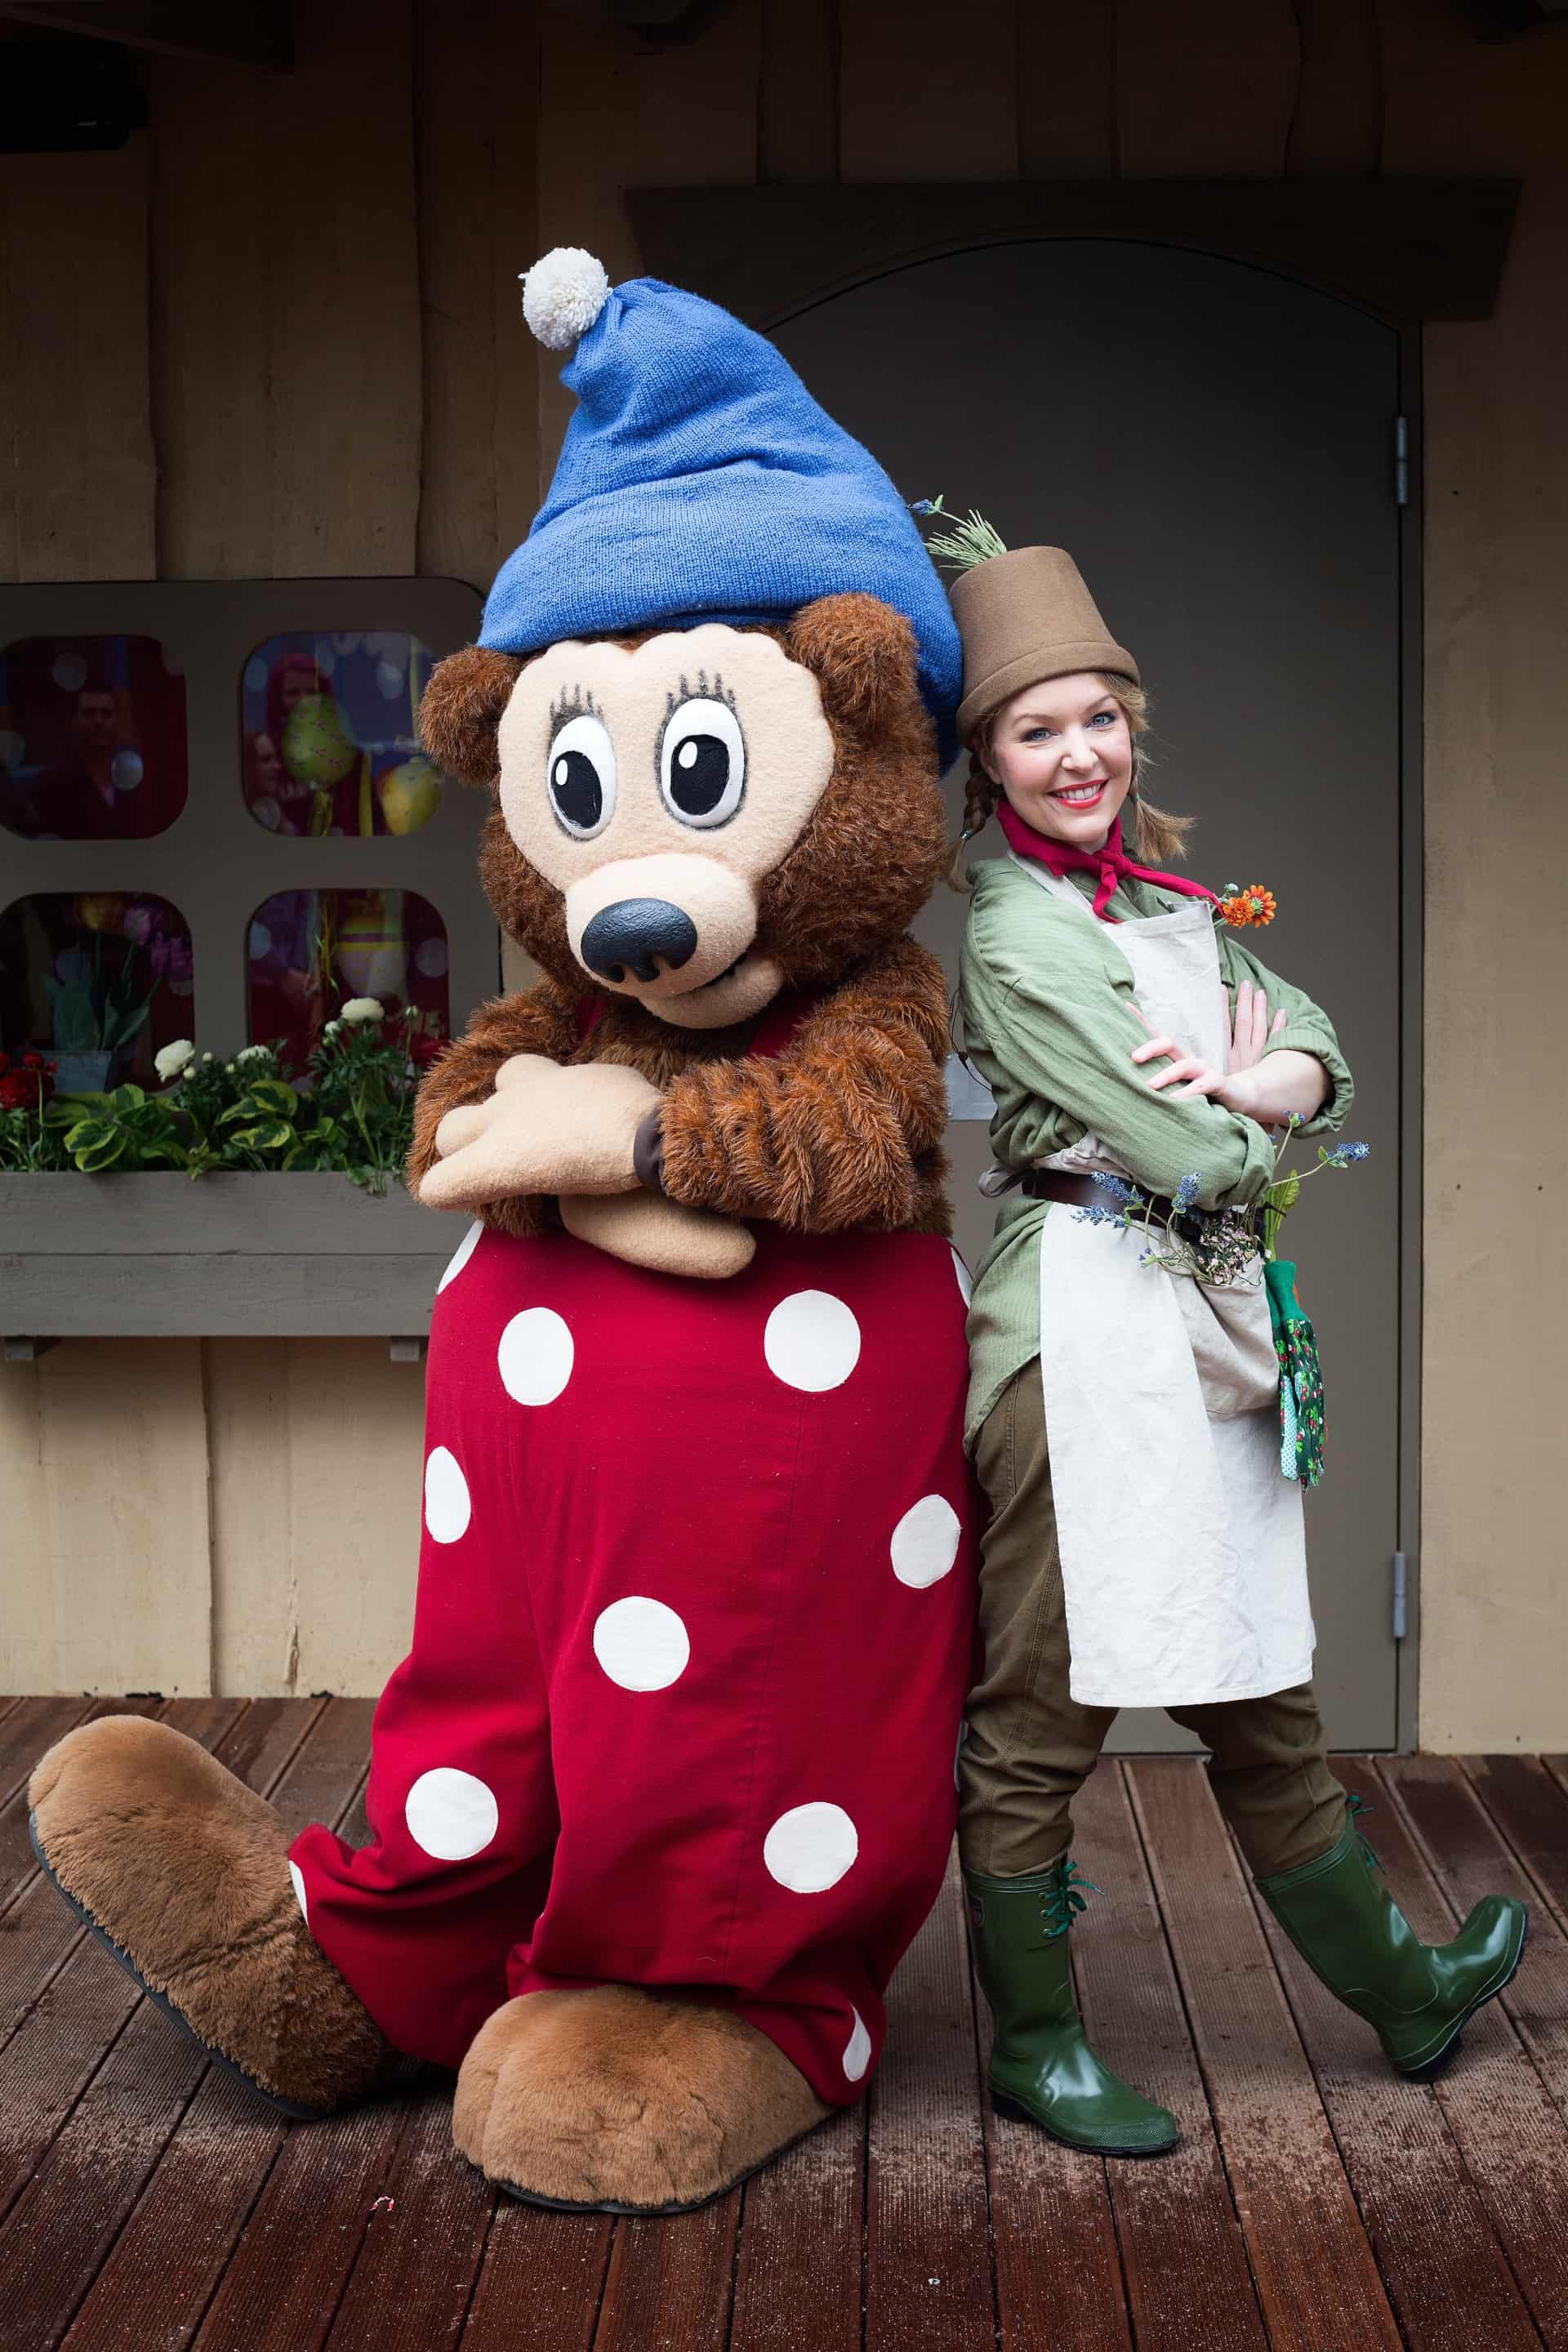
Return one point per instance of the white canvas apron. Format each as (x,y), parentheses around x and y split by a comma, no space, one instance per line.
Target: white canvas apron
(1183,1551)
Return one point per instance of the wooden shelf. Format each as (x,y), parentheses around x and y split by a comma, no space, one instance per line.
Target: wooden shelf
(269,1257)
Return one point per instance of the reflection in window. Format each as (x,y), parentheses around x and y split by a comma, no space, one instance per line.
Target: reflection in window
(96,981)
(92,739)
(312,951)
(332,737)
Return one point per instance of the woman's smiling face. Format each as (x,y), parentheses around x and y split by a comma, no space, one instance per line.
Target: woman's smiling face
(1062,752)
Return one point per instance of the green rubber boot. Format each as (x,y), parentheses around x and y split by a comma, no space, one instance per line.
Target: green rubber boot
(1355,1937)
(1042,2068)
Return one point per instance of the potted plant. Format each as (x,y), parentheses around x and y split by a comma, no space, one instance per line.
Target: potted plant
(101,996)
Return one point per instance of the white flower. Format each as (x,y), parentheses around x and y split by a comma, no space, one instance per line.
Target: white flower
(169,1060)
(252,1054)
(332,1028)
(363,1008)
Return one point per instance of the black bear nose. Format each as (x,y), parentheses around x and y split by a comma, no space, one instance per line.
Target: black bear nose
(626,937)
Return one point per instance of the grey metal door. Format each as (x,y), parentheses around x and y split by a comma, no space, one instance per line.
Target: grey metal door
(1214,447)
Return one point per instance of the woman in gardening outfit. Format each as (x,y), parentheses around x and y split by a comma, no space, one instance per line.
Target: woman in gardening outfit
(1144,1548)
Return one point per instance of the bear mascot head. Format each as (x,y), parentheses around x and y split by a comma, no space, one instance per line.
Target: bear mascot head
(666,1783)
(705,704)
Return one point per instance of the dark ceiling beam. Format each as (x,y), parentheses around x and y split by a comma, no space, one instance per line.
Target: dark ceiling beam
(238,32)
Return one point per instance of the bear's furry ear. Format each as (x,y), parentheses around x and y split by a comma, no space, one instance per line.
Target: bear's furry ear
(862,655)
(462,708)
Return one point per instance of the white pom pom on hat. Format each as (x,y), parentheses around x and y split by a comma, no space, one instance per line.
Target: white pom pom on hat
(562,295)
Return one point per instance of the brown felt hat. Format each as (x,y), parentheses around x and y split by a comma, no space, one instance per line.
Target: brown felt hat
(1025,616)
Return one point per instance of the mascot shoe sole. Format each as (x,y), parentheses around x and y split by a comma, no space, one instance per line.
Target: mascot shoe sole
(161,2001)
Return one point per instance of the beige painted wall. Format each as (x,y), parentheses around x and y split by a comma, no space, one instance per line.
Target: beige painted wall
(1494,1579)
(332,378)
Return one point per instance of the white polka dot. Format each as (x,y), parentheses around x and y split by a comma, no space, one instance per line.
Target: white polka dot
(641,1645)
(965,1280)
(261,942)
(450,1815)
(448,1508)
(462,1255)
(811,1341)
(69,673)
(297,1876)
(858,2049)
(925,1541)
(810,1847)
(535,1355)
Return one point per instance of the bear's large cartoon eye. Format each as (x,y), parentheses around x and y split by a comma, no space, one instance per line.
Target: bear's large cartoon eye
(702,762)
(581,771)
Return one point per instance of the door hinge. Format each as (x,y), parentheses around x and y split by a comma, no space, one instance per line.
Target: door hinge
(1401,1594)
(1402,461)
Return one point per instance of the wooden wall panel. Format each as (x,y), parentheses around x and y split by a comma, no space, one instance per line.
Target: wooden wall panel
(76,446)
(102,1450)
(27,1562)
(1338,122)
(317,1459)
(610,120)
(1067,91)
(215,156)
(287,362)
(797,96)
(475,91)
(924,96)
(1205,91)
(122,1441)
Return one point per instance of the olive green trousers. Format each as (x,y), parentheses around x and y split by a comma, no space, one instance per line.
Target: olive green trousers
(1029,1747)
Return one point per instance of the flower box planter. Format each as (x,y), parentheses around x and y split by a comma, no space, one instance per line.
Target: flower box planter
(160,1256)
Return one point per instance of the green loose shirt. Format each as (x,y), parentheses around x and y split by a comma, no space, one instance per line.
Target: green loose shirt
(1045,1000)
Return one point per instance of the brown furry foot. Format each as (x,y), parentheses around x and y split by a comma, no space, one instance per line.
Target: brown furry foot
(624,2101)
(184,1870)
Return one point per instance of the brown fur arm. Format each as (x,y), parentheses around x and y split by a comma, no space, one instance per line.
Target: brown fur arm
(539,1020)
(829,1134)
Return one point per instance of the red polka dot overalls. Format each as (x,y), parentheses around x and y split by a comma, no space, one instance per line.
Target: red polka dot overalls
(693,1634)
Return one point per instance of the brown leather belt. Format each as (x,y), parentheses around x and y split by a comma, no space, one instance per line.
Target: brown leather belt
(1083,1193)
(1078,1191)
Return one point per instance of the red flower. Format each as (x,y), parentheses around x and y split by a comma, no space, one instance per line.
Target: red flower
(27,1089)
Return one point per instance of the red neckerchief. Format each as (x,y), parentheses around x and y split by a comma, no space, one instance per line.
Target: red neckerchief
(1111,863)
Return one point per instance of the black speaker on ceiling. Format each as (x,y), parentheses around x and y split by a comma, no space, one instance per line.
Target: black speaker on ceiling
(58,97)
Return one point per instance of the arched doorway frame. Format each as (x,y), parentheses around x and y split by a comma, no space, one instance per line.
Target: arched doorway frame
(1403,250)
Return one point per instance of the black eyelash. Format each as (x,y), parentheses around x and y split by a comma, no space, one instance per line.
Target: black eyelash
(573,705)
(716,692)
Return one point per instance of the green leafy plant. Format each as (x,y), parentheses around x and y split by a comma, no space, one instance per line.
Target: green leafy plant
(350,1111)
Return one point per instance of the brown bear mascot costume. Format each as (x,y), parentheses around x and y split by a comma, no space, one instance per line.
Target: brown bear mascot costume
(666,1783)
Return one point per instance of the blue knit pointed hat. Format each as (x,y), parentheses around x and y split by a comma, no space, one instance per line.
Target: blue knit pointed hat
(699,481)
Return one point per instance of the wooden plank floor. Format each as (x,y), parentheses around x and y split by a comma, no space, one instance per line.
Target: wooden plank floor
(1316,2202)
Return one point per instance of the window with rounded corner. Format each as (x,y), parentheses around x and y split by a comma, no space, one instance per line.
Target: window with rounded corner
(313,952)
(331,734)
(92,739)
(96,983)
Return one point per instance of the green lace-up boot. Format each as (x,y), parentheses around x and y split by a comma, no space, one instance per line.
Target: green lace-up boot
(1352,1934)
(1042,2068)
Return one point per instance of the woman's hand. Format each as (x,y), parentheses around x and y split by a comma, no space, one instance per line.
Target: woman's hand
(1248,1036)
(1250,1032)
(1266,1086)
